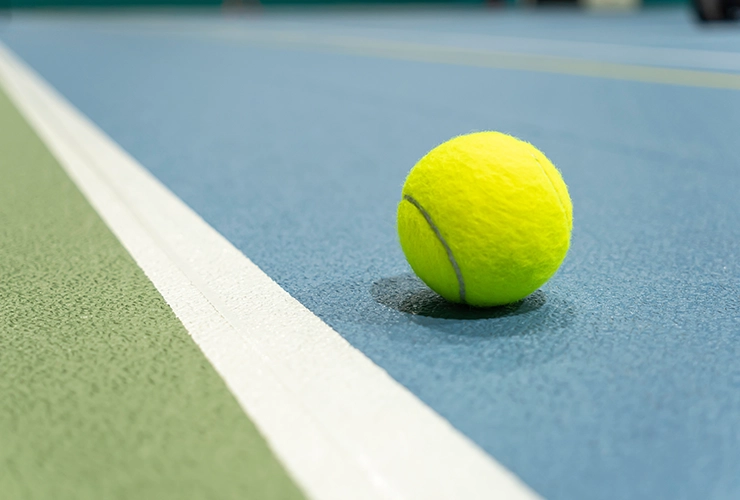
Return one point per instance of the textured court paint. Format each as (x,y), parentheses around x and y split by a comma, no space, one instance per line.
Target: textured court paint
(619,380)
(104,395)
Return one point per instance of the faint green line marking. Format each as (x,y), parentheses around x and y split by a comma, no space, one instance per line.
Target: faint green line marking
(445,54)
(442,54)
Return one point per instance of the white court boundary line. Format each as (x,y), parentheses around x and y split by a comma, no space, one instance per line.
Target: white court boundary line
(342,427)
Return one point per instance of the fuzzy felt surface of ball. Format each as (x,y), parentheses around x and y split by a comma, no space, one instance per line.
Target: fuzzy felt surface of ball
(485,219)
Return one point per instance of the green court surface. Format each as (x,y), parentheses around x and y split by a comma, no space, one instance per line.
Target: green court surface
(116,400)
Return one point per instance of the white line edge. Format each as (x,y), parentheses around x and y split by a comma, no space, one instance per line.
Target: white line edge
(342,427)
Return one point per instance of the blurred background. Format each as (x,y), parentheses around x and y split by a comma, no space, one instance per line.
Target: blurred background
(703,10)
(613,4)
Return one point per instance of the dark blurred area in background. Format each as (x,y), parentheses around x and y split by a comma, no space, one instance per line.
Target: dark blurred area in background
(705,10)
(369,3)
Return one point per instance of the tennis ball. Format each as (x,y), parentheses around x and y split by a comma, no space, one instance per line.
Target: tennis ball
(485,219)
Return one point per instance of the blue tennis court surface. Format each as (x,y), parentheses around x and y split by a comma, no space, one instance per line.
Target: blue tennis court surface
(620,378)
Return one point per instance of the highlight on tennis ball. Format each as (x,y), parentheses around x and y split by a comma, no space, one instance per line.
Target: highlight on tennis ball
(485,219)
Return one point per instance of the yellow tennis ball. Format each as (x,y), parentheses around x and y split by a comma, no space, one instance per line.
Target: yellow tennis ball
(485,219)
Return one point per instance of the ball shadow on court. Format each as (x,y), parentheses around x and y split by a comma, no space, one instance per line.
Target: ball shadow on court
(408,294)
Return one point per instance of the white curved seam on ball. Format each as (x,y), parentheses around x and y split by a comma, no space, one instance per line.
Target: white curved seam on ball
(557,195)
(450,255)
